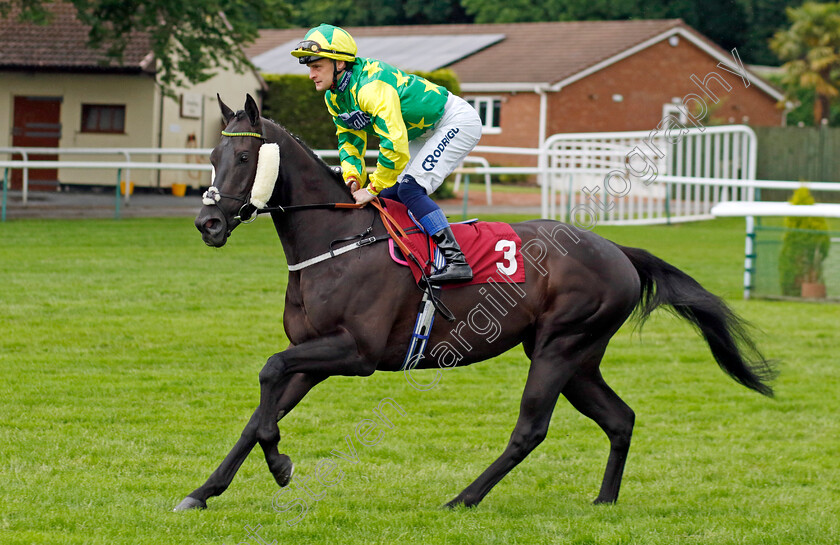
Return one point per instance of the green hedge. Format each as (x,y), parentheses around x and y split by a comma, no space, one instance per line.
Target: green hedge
(293,102)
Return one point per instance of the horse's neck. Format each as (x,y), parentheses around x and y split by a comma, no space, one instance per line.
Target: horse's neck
(304,180)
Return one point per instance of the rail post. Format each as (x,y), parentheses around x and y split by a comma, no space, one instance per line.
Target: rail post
(466,196)
(5,189)
(117,206)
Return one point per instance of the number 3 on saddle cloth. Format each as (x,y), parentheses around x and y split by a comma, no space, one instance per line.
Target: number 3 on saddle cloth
(492,249)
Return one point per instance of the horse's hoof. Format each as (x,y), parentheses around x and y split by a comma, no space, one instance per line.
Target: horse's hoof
(284,475)
(190,503)
(460,502)
(603,501)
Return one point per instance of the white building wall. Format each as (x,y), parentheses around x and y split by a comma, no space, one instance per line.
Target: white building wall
(152,120)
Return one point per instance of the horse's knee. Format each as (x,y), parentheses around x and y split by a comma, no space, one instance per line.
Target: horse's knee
(522,442)
(273,369)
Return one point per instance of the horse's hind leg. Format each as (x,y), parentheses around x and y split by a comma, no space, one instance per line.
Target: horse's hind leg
(590,395)
(289,394)
(546,379)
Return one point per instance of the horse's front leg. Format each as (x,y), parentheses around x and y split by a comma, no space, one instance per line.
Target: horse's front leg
(289,394)
(331,355)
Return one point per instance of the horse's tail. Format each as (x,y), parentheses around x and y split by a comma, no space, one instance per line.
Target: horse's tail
(725,332)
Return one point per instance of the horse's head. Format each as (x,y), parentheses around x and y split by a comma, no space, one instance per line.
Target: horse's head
(229,200)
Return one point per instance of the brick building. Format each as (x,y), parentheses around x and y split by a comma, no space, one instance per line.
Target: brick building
(532,80)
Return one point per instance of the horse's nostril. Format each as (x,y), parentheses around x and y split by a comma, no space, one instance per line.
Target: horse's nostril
(212,225)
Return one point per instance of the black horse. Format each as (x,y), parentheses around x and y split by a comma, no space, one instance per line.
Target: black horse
(353,315)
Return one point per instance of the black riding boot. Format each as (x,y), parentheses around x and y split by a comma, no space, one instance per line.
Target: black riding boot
(456,268)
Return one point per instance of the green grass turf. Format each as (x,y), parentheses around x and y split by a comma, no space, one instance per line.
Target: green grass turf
(130,353)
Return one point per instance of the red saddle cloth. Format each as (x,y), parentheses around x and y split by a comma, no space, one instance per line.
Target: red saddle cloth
(492,249)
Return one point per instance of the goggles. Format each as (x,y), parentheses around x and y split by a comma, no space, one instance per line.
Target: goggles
(313,47)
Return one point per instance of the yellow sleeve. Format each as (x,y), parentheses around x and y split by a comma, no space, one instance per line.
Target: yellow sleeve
(352,145)
(382,102)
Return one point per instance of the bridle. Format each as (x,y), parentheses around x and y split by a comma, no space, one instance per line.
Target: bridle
(395,232)
(212,196)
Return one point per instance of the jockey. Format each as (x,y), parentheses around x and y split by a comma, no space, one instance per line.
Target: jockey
(424,133)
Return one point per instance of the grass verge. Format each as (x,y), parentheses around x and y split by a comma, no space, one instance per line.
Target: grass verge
(130,354)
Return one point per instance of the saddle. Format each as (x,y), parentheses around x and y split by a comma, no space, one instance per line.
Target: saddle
(492,249)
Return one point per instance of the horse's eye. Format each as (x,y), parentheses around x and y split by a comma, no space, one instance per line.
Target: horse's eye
(243,157)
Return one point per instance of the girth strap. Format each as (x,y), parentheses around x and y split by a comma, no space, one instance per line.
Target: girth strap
(395,231)
(422,330)
(336,253)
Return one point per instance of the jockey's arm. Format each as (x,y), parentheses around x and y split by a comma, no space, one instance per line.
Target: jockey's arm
(352,145)
(382,102)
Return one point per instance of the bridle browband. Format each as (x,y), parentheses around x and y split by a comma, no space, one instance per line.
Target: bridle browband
(253,134)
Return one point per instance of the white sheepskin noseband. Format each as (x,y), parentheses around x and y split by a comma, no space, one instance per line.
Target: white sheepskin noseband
(268,168)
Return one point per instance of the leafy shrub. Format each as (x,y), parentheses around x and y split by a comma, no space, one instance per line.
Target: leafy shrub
(443,77)
(292,101)
(445,191)
(805,245)
(513,179)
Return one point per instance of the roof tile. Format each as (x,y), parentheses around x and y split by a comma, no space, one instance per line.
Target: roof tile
(530,52)
(62,44)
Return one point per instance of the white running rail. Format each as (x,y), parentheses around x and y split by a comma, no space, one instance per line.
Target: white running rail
(646,177)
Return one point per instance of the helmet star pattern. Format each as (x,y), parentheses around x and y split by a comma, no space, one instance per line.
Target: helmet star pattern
(326,41)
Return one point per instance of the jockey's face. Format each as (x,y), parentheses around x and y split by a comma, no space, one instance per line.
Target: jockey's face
(321,72)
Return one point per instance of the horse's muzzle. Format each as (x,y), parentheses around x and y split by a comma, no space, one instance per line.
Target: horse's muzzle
(212,226)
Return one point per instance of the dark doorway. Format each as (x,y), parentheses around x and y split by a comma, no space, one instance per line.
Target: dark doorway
(37,123)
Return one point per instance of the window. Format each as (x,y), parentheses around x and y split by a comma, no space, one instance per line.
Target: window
(489,110)
(107,118)
(674,109)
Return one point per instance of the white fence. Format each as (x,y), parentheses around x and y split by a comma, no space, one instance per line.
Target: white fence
(646,177)
(586,178)
(25,163)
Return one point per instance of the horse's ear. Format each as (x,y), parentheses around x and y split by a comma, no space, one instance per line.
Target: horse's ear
(227,113)
(252,110)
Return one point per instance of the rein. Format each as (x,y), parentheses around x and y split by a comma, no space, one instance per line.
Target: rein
(299,207)
(212,196)
(264,181)
(395,233)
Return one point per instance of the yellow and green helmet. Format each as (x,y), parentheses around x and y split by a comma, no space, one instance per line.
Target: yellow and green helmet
(327,41)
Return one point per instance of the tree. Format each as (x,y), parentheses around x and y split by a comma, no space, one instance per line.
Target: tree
(306,13)
(189,37)
(811,47)
(765,18)
(744,24)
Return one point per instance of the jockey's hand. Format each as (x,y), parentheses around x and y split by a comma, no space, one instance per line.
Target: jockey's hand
(362,196)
